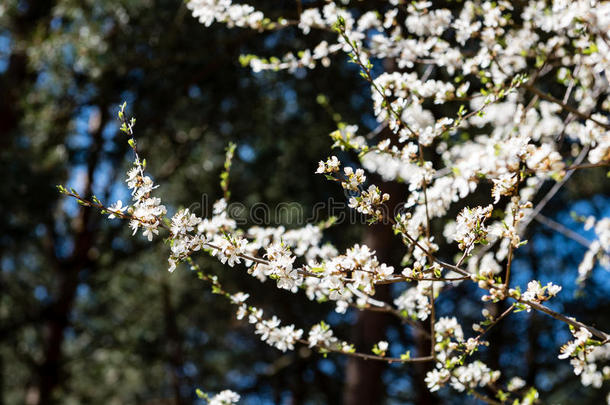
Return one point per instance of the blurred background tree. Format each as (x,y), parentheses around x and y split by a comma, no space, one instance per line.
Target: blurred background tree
(90,315)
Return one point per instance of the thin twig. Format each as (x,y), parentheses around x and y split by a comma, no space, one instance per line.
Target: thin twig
(495,321)
(484,398)
(367,356)
(588,165)
(565,106)
(571,321)
(567,232)
(542,203)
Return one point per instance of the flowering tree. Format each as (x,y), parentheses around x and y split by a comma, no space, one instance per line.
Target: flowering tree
(519,98)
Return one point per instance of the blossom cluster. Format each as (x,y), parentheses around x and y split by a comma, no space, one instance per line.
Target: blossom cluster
(460,108)
(586,358)
(470,227)
(599,249)
(486,58)
(449,369)
(225,397)
(238,15)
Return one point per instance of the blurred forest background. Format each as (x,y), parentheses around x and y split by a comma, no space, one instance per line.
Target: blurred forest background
(90,315)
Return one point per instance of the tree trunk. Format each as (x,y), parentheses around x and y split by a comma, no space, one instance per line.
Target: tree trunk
(423,345)
(363,378)
(174,342)
(48,375)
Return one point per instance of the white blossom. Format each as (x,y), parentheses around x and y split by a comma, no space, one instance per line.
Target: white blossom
(226,397)
(435,379)
(321,335)
(116,208)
